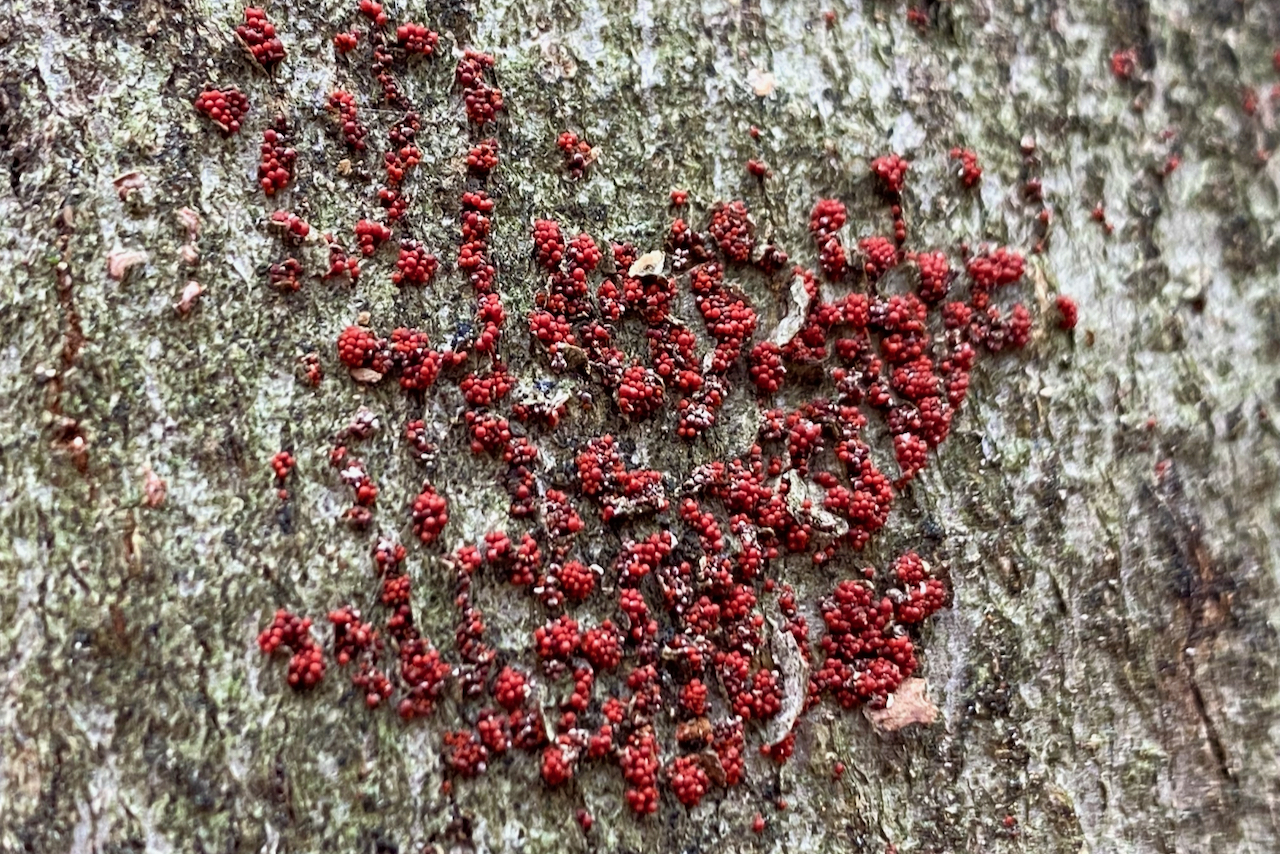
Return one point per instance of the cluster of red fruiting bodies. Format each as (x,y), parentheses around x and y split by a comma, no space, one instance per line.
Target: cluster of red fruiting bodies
(672,683)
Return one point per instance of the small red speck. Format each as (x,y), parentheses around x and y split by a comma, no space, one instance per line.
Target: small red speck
(679,198)
(1010,821)
(970,171)
(1068,312)
(1172,163)
(757,823)
(838,770)
(1124,63)
(830,17)
(346,42)
(585,820)
(1250,101)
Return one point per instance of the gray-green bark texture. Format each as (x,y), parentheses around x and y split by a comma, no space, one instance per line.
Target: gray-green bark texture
(1106,507)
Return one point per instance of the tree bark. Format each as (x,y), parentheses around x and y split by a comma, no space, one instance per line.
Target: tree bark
(1106,507)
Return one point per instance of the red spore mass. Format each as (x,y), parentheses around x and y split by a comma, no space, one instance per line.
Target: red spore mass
(650,579)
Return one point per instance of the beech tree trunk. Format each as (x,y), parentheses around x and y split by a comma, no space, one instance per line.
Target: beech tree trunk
(1106,507)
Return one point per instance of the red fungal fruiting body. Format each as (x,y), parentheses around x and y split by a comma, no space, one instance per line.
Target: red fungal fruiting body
(399,162)
(358,348)
(825,221)
(371,235)
(733,230)
(935,276)
(423,674)
(757,823)
(346,42)
(494,730)
(415,38)
(309,368)
(468,756)
(483,156)
(1124,63)
(497,547)
(353,132)
(287,630)
(527,561)
(758,169)
(881,255)
(578,154)
(306,667)
(688,779)
(373,11)
(583,254)
(340,262)
(351,637)
(1017,328)
(557,764)
(558,639)
(286,276)
(482,103)
(970,172)
(415,433)
(679,198)
(639,392)
(487,389)
(693,697)
(767,371)
(892,172)
(412,356)
(922,594)
(510,689)
(430,514)
(782,750)
(224,107)
(827,217)
(602,646)
(415,265)
(1068,314)
(1000,266)
(275,167)
(548,244)
(576,580)
(687,615)
(289,224)
(259,36)
(639,761)
(489,432)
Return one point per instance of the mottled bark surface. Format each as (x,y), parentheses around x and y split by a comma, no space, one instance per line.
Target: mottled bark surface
(1107,503)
